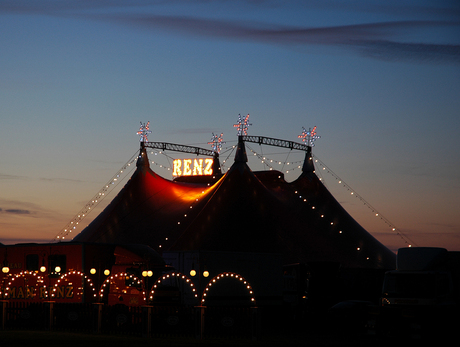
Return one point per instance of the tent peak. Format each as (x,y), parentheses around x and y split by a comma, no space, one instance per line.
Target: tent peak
(308,165)
(142,159)
(240,155)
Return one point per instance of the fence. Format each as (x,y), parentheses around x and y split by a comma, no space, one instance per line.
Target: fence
(148,321)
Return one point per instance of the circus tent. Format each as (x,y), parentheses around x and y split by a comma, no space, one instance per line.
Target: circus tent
(239,211)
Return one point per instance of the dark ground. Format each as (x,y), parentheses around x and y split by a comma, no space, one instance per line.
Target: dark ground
(21,338)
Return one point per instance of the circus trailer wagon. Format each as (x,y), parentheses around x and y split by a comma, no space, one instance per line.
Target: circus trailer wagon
(69,272)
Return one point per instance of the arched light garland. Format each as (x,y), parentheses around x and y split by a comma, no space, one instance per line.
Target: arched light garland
(108,187)
(39,282)
(65,277)
(121,276)
(222,275)
(406,239)
(178,275)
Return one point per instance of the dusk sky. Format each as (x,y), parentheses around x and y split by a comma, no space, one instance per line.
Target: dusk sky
(379,79)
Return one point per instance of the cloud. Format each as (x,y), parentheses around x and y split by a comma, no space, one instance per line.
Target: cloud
(423,52)
(57,179)
(10,177)
(16,211)
(46,179)
(373,40)
(13,207)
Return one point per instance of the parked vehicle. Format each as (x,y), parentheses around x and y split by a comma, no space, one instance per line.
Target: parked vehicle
(421,297)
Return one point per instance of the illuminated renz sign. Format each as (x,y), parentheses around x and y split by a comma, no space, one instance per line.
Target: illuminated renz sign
(192,167)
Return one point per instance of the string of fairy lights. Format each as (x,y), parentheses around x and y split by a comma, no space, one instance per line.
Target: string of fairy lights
(271,163)
(223,275)
(116,179)
(171,275)
(353,193)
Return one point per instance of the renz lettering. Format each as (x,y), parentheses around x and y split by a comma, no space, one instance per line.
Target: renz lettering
(43,293)
(69,292)
(192,167)
(64,292)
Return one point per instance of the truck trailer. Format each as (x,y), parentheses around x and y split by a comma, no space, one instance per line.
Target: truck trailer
(421,297)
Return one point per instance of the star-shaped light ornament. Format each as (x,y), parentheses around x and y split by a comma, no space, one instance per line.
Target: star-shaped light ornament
(216,142)
(242,125)
(309,136)
(144,132)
